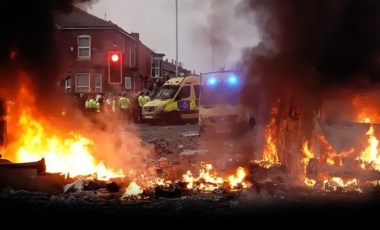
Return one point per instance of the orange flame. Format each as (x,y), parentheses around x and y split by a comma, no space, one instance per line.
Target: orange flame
(370,156)
(68,154)
(209,181)
(133,190)
(307,156)
(270,155)
(331,156)
(236,180)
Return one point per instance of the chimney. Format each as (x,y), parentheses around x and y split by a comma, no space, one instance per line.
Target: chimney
(172,61)
(180,64)
(136,36)
(166,60)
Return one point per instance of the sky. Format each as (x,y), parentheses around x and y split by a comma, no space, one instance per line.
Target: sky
(200,24)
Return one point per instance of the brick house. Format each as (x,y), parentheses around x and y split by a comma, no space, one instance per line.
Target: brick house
(85,41)
(168,69)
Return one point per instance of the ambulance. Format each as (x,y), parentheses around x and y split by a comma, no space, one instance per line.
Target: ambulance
(176,101)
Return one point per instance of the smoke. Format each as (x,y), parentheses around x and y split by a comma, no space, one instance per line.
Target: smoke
(307,46)
(219,32)
(27,45)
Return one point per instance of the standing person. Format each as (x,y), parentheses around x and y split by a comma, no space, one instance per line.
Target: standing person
(146,98)
(155,85)
(124,106)
(136,107)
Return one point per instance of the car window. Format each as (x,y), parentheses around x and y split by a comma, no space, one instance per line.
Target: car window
(183,93)
(197,90)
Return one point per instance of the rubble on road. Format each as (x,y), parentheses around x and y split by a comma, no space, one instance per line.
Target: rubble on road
(30,176)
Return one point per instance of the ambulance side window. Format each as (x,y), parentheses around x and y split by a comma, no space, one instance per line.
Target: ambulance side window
(197,90)
(183,93)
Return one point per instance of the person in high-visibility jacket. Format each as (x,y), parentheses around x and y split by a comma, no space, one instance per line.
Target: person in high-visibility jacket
(141,99)
(146,98)
(124,104)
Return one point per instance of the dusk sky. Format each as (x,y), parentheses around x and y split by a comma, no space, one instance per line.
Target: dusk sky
(199,22)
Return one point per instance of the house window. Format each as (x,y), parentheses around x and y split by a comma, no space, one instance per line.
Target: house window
(82,82)
(98,82)
(156,68)
(132,57)
(128,82)
(84,46)
(68,85)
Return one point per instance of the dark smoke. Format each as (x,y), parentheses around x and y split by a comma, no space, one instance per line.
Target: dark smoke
(27,44)
(310,45)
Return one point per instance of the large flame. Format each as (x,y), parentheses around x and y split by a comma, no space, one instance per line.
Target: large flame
(270,155)
(63,153)
(307,155)
(370,156)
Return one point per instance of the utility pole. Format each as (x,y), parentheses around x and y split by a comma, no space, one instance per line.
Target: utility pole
(176,38)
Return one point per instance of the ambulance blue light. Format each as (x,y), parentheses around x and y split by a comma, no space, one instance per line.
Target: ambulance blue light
(232,80)
(211,81)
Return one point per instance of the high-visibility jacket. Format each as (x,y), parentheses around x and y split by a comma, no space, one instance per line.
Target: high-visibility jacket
(141,100)
(93,103)
(124,102)
(146,99)
(90,103)
(87,104)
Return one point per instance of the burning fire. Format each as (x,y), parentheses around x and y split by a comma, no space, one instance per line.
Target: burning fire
(270,156)
(209,181)
(370,157)
(69,154)
(307,156)
(133,190)
(331,156)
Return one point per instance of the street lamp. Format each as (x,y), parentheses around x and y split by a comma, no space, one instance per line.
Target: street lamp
(176,38)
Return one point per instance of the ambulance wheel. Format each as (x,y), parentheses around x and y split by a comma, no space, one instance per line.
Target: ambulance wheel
(173,118)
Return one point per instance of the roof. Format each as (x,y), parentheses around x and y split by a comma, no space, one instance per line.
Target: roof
(78,18)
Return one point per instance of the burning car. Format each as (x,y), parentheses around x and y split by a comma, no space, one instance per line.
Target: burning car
(336,142)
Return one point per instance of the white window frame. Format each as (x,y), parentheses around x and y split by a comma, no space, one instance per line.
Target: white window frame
(129,81)
(68,85)
(98,88)
(76,82)
(132,56)
(156,67)
(84,47)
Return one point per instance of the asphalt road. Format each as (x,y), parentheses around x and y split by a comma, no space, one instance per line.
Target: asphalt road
(280,207)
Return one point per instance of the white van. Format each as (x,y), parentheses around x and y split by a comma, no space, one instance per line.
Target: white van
(221,110)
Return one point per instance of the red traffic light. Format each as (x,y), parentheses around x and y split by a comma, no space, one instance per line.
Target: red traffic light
(115,67)
(115,57)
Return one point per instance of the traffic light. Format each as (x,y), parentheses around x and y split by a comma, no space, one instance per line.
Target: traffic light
(115,67)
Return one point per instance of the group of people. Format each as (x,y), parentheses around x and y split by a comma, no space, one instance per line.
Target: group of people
(125,107)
